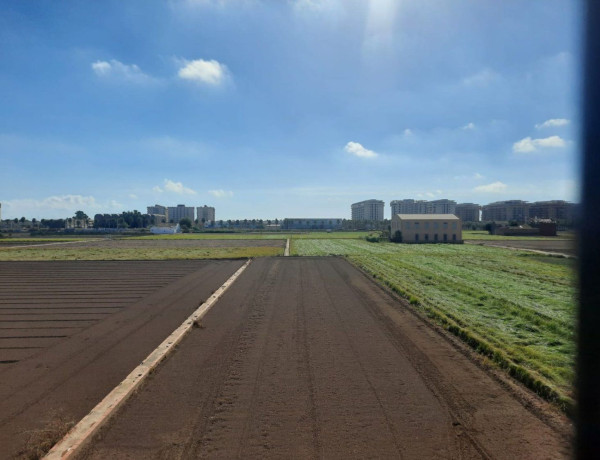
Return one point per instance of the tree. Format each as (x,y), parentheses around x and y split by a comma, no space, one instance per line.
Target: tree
(80,215)
(397,237)
(186,223)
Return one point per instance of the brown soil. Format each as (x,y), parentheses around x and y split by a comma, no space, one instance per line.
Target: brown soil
(566,247)
(308,358)
(177,243)
(71,331)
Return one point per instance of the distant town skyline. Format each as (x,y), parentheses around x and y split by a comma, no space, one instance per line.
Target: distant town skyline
(298,108)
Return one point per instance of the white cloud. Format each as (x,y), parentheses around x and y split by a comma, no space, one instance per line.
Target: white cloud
(482,78)
(407,132)
(553,123)
(57,206)
(495,187)
(205,72)
(118,70)
(157,189)
(220,193)
(469,126)
(133,196)
(529,145)
(177,187)
(354,148)
(478,176)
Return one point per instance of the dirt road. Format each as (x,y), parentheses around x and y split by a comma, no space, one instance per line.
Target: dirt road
(566,247)
(307,358)
(71,331)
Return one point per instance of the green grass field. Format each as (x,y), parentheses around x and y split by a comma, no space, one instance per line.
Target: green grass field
(517,309)
(67,253)
(484,235)
(254,236)
(33,240)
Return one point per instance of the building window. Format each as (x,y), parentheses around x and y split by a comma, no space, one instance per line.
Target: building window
(426,237)
(416,237)
(426,225)
(435,237)
(436,225)
(445,225)
(454,237)
(407,225)
(453,225)
(445,237)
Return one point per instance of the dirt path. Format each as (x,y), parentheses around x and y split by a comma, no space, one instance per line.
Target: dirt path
(565,248)
(307,358)
(71,331)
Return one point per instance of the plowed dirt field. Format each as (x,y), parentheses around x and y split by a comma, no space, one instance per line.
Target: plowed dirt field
(308,358)
(71,331)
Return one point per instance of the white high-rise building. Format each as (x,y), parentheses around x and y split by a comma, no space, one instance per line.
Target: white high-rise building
(205,213)
(176,213)
(368,210)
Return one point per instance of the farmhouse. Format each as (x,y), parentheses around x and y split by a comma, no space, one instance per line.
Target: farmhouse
(427,228)
(165,230)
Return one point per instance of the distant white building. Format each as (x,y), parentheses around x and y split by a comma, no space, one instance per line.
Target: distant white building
(367,210)
(205,212)
(166,230)
(181,211)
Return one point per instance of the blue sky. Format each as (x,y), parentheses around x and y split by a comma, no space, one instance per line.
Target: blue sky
(293,108)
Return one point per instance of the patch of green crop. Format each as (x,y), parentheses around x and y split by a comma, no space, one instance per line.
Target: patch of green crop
(66,253)
(484,235)
(254,236)
(519,310)
(14,241)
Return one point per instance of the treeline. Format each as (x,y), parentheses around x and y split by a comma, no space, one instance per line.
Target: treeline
(127,219)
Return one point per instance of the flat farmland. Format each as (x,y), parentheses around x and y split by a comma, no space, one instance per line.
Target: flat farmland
(147,248)
(71,331)
(309,358)
(558,246)
(515,308)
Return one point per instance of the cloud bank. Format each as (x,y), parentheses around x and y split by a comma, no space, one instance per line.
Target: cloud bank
(356,149)
(553,123)
(495,187)
(529,145)
(174,187)
(220,193)
(114,69)
(211,73)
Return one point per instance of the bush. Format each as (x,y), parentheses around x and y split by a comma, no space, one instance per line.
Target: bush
(397,237)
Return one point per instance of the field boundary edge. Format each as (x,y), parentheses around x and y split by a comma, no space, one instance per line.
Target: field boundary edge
(72,443)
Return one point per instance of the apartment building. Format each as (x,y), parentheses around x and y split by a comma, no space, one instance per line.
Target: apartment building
(176,213)
(506,211)
(300,223)
(159,212)
(468,212)
(368,210)
(441,207)
(427,228)
(205,213)
(559,211)
(410,206)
